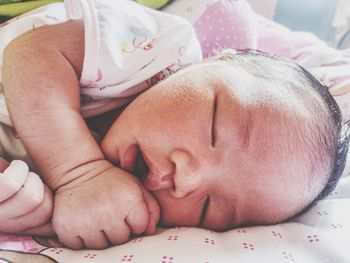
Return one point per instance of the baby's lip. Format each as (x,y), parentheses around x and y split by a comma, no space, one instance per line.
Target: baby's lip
(150,177)
(128,158)
(134,160)
(151,167)
(155,179)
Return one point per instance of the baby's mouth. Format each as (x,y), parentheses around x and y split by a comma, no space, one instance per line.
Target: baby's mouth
(144,171)
(141,169)
(133,161)
(136,162)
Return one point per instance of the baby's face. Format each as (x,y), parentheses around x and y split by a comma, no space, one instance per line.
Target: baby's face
(205,163)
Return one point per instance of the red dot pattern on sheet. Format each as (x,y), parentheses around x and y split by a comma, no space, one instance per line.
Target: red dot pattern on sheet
(248,246)
(313,238)
(288,256)
(127,258)
(276,234)
(56,250)
(209,241)
(90,256)
(167,259)
(322,213)
(336,225)
(137,240)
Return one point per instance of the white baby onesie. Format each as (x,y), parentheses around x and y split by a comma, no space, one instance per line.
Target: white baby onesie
(128,48)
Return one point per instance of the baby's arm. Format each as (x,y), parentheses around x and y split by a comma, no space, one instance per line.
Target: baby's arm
(96,204)
(43,98)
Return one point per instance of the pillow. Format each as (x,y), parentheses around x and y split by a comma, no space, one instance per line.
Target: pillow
(331,66)
(219,23)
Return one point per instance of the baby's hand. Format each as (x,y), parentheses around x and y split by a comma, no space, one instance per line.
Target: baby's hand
(103,209)
(25,202)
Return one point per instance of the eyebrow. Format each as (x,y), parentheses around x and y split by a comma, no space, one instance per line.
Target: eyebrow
(213,135)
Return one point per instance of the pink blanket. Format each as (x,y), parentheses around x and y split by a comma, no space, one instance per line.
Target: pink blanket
(330,65)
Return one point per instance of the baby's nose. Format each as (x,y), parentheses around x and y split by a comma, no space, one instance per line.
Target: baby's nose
(186,177)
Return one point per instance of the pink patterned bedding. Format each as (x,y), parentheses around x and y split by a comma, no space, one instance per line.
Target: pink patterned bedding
(320,235)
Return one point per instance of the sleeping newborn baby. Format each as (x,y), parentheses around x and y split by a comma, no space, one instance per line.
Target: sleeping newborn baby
(129,129)
(239,139)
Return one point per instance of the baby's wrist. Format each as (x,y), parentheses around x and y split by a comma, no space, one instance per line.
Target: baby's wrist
(81,173)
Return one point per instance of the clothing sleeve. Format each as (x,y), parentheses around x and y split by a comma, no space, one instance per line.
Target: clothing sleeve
(126,45)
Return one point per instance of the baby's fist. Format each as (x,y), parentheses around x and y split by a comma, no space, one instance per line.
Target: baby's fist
(102,210)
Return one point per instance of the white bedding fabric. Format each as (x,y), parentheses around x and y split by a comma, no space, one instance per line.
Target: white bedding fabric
(320,235)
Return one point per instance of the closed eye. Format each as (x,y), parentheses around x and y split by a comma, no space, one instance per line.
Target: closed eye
(213,135)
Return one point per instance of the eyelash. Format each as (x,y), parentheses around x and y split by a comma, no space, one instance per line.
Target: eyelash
(213,137)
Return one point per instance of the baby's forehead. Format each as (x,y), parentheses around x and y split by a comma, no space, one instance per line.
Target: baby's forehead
(260,82)
(268,88)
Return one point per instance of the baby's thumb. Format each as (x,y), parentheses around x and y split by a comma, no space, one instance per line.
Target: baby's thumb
(153,211)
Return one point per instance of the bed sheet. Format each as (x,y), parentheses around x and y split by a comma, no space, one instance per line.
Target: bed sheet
(320,235)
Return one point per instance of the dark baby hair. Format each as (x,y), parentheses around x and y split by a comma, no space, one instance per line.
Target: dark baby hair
(339,140)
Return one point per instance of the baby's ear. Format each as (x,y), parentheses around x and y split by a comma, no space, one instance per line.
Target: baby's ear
(187,176)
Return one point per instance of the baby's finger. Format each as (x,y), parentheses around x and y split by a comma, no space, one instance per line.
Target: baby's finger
(12,179)
(65,232)
(153,210)
(26,200)
(70,240)
(118,232)
(137,219)
(96,240)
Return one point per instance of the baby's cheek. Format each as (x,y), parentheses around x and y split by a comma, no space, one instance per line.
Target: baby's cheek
(177,212)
